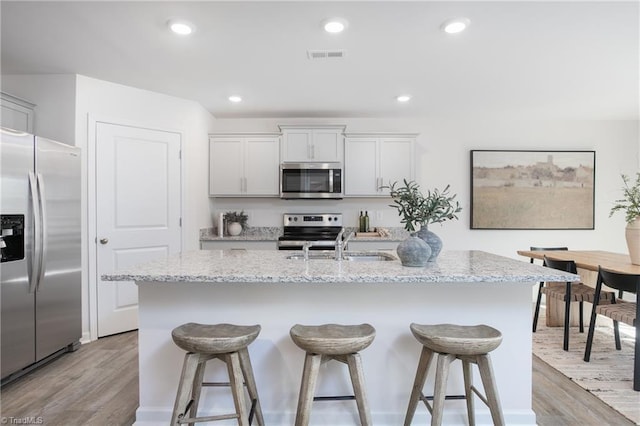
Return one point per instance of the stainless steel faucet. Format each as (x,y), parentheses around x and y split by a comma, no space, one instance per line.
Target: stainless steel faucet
(342,245)
(305,249)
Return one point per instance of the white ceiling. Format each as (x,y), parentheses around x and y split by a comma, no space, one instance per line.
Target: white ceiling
(544,59)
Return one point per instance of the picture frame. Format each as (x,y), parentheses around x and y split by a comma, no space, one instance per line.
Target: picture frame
(522,189)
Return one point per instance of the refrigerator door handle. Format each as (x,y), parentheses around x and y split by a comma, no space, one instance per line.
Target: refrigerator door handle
(43,239)
(35,261)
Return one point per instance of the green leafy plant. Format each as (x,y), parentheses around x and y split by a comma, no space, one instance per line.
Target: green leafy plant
(241,218)
(630,204)
(417,208)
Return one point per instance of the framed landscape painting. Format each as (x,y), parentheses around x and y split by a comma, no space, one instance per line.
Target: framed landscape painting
(532,189)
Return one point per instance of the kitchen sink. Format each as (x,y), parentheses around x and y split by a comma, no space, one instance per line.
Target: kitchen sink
(312,256)
(355,256)
(368,256)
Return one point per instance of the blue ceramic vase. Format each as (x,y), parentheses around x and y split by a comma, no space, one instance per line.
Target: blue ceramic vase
(413,252)
(434,242)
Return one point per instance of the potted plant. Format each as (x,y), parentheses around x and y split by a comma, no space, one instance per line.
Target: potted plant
(630,205)
(236,222)
(418,210)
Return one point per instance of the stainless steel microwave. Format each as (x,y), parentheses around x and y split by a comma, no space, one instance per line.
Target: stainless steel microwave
(311,180)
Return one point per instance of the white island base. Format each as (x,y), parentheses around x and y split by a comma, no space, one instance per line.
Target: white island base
(389,363)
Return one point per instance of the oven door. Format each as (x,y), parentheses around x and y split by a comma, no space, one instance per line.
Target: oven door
(311,180)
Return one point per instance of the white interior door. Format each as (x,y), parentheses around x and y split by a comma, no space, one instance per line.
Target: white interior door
(138,198)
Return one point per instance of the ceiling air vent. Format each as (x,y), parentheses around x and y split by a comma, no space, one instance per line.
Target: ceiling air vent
(326,54)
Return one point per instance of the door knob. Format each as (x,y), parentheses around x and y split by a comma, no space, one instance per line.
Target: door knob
(104,240)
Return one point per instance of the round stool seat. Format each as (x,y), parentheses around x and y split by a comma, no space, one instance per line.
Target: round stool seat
(458,339)
(214,338)
(333,339)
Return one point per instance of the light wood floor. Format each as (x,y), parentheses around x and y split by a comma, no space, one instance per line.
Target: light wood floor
(98,385)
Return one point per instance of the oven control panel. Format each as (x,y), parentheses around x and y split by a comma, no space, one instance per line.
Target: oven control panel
(312,219)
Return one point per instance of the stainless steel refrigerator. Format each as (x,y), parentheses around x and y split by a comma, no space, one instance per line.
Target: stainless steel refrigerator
(40,251)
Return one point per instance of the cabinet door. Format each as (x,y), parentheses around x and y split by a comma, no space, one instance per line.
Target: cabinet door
(327,145)
(296,145)
(16,116)
(226,166)
(396,160)
(360,167)
(262,166)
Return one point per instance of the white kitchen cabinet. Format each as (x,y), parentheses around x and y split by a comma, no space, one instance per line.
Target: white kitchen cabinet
(244,165)
(238,245)
(312,143)
(374,160)
(16,113)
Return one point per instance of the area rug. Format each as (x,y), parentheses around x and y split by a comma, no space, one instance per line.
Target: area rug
(609,374)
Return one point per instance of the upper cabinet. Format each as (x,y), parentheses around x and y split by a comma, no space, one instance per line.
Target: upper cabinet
(17,114)
(312,143)
(244,165)
(374,160)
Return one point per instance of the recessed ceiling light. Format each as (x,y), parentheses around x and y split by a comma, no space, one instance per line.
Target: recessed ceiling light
(334,25)
(181,27)
(235,98)
(403,98)
(456,25)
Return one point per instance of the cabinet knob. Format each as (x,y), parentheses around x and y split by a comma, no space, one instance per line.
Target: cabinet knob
(104,240)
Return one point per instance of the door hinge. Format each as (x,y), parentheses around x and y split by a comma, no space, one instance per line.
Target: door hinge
(180,222)
(180,154)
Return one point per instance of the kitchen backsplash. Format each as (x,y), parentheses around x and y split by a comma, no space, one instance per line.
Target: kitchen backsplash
(268,212)
(273,232)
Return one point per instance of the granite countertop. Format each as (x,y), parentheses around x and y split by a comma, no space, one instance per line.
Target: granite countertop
(271,233)
(272,266)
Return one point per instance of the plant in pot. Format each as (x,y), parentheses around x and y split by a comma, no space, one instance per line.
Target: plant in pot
(236,222)
(418,210)
(630,205)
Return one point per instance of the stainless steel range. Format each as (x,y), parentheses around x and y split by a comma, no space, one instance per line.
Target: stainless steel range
(321,229)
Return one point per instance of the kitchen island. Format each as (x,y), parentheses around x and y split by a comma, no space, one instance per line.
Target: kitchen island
(264,287)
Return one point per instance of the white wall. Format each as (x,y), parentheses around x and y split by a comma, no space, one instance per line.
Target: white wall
(66,101)
(64,105)
(443,158)
(55,99)
(102,100)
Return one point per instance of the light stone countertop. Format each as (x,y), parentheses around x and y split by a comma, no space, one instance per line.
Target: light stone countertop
(272,266)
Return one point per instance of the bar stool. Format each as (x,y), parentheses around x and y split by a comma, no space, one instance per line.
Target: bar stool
(228,343)
(326,342)
(470,344)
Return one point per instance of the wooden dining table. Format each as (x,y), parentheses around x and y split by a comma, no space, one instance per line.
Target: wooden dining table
(588,261)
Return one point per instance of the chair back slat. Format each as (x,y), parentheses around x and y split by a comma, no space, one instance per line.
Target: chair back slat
(619,281)
(562,265)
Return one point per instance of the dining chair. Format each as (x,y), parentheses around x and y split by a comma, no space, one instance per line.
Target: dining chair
(618,310)
(571,292)
(541,284)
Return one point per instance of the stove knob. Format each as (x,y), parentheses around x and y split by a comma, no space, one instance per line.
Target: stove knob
(329,219)
(295,219)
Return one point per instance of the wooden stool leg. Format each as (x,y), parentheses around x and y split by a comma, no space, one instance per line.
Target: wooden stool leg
(490,388)
(357,380)
(440,390)
(185,385)
(307,388)
(468,393)
(421,376)
(247,370)
(197,388)
(237,387)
